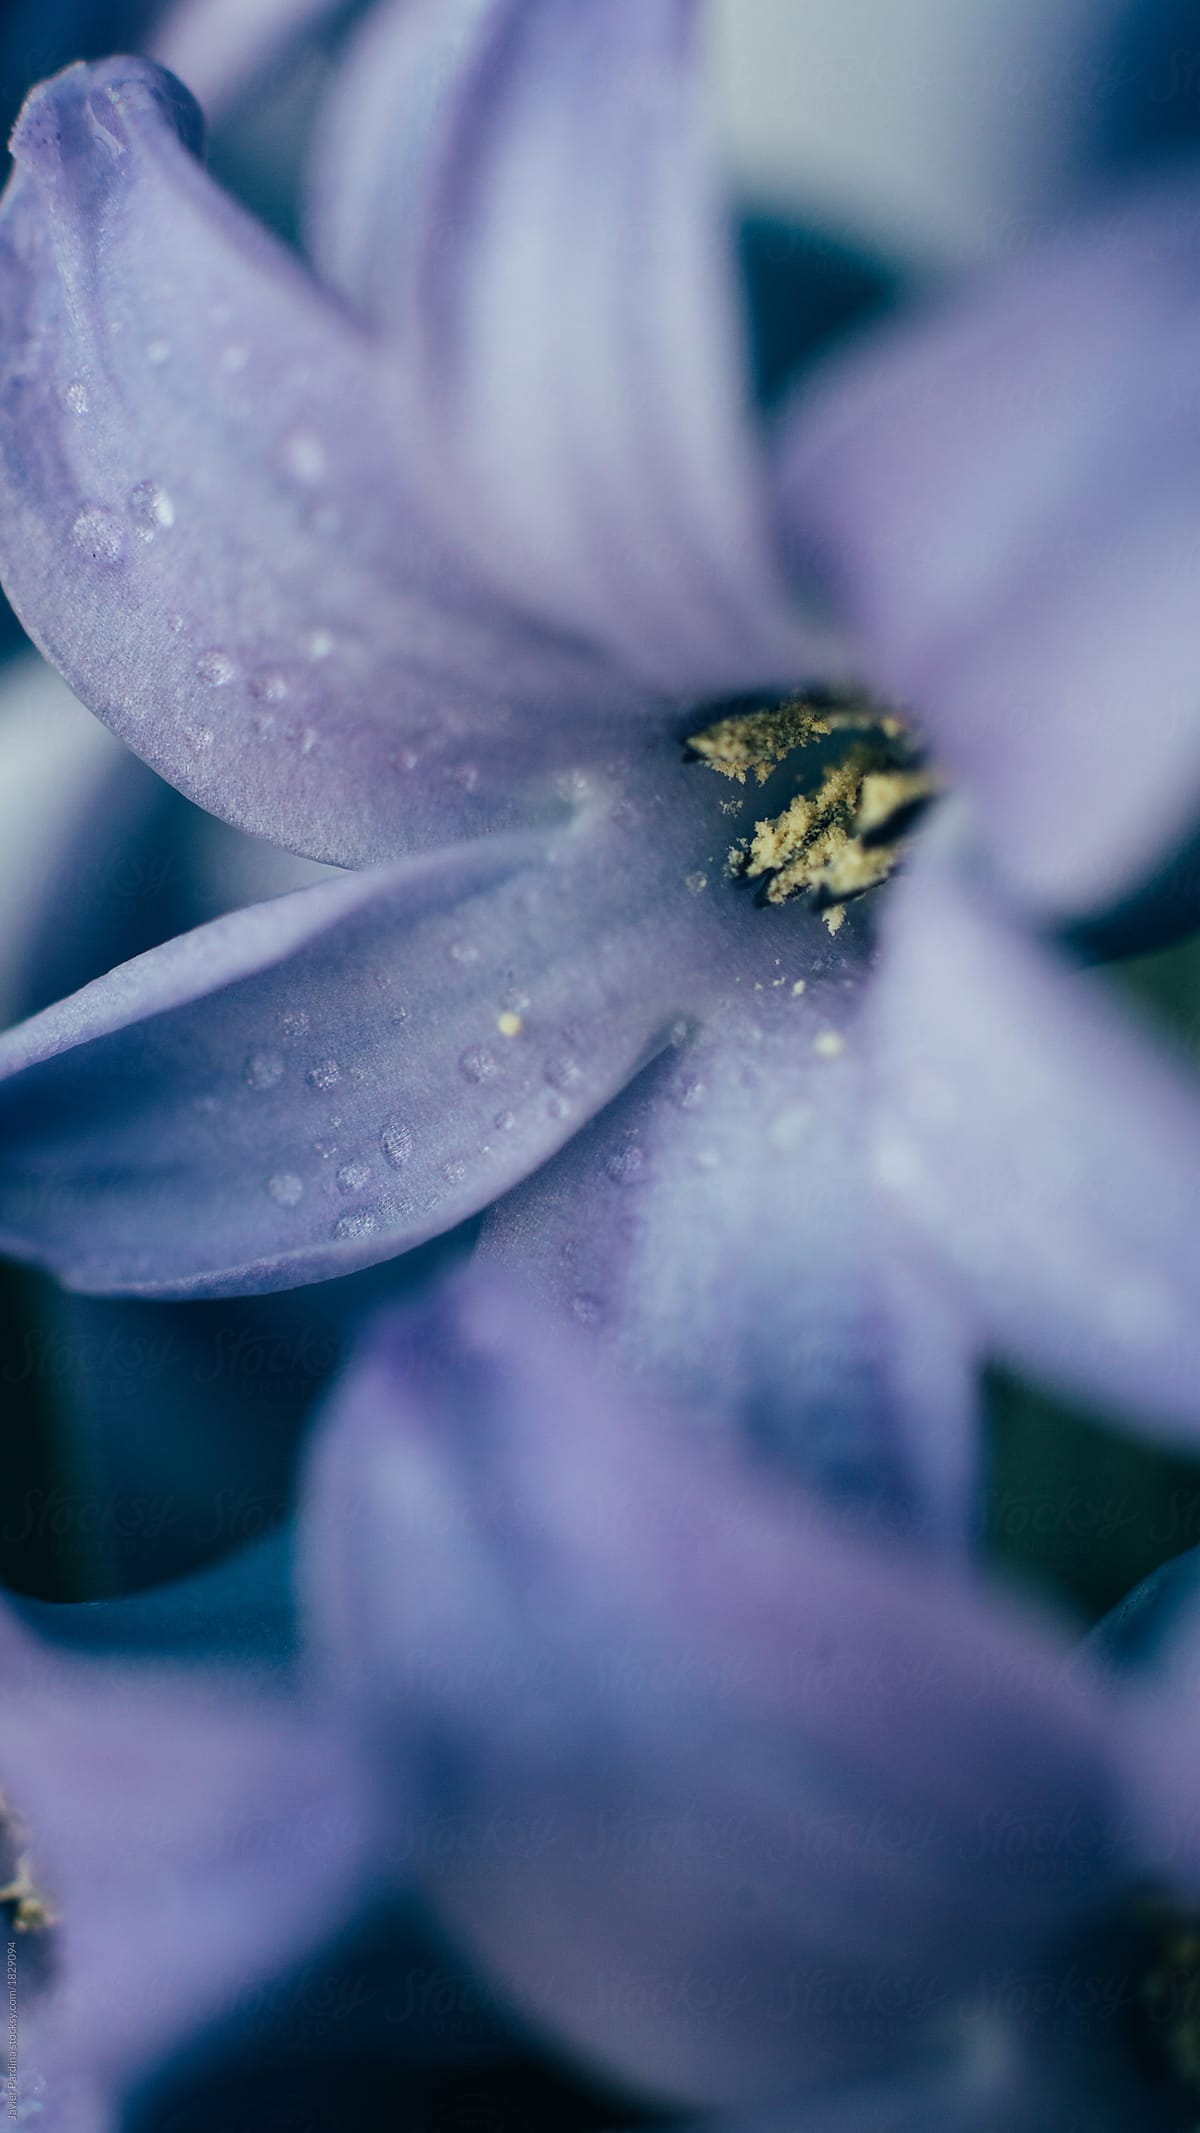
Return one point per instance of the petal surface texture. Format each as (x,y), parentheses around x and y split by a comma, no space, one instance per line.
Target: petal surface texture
(315,1083)
(524,197)
(714,1790)
(1042,1147)
(718,1229)
(1005,497)
(203,522)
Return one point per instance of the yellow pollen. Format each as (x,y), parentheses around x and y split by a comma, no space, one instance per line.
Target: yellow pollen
(509,1025)
(843,838)
(828,1044)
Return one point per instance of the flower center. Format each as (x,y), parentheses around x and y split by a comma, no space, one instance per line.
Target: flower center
(847,834)
(28,1908)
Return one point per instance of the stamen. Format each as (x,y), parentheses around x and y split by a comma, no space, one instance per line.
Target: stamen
(844,838)
(32,1911)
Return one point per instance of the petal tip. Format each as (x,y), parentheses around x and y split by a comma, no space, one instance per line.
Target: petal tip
(95,107)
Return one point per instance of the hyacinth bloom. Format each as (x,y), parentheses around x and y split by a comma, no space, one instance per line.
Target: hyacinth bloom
(746,1814)
(433,567)
(169,1842)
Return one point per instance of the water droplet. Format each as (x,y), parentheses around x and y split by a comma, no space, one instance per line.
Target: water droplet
(263,1069)
(478,1064)
(588,1309)
(563,1071)
(504,1121)
(360,1224)
(691,1096)
(627,1166)
(304,455)
(558,1107)
(215,667)
(696,883)
(285,1188)
(158,352)
(99,535)
(324,1074)
(463,952)
(326,1150)
(152,508)
(455,1172)
(234,358)
(353,1176)
(308,739)
(269,687)
(397,1143)
(294,1024)
(175,624)
(318,644)
(76,398)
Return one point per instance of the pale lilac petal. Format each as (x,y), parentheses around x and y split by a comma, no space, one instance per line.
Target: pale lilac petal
(1046,1151)
(718,1230)
(1004,499)
(203,522)
(675,1730)
(317,1083)
(221,47)
(193,1843)
(523,195)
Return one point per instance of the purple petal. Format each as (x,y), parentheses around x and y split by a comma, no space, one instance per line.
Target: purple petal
(717,1794)
(1005,500)
(719,1230)
(221,47)
(192,1842)
(204,525)
(523,195)
(1032,1139)
(317,1083)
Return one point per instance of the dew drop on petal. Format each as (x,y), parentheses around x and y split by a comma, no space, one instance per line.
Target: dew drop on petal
(563,1071)
(152,508)
(318,644)
(353,1176)
(216,667)
(269,687)
(504,1121)
(397,1143)
(360,1224)
(324,1074)
(285,1188)
(263,1069)
(588,1309)
(304,455)
(454,1172)
(76,398)
(158,352)
(99,535)
(627,1166)
(696,883)
(294,1024)
(479,1064)
(463,952)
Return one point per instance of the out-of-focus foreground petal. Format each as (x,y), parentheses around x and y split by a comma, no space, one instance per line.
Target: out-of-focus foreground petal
(524,197)
(1045,1151)
(314,1084)
(1005,500)
(718,1230)
(748,1775)
(220,48)
(192,1840)
(205,526)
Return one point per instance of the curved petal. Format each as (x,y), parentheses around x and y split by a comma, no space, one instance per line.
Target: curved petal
(315,1084)
(719,1230)
(716,1792)
(1030,1138)
(220,48)
(1005,499)
(523,195)
(193,1841)
(204,525)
